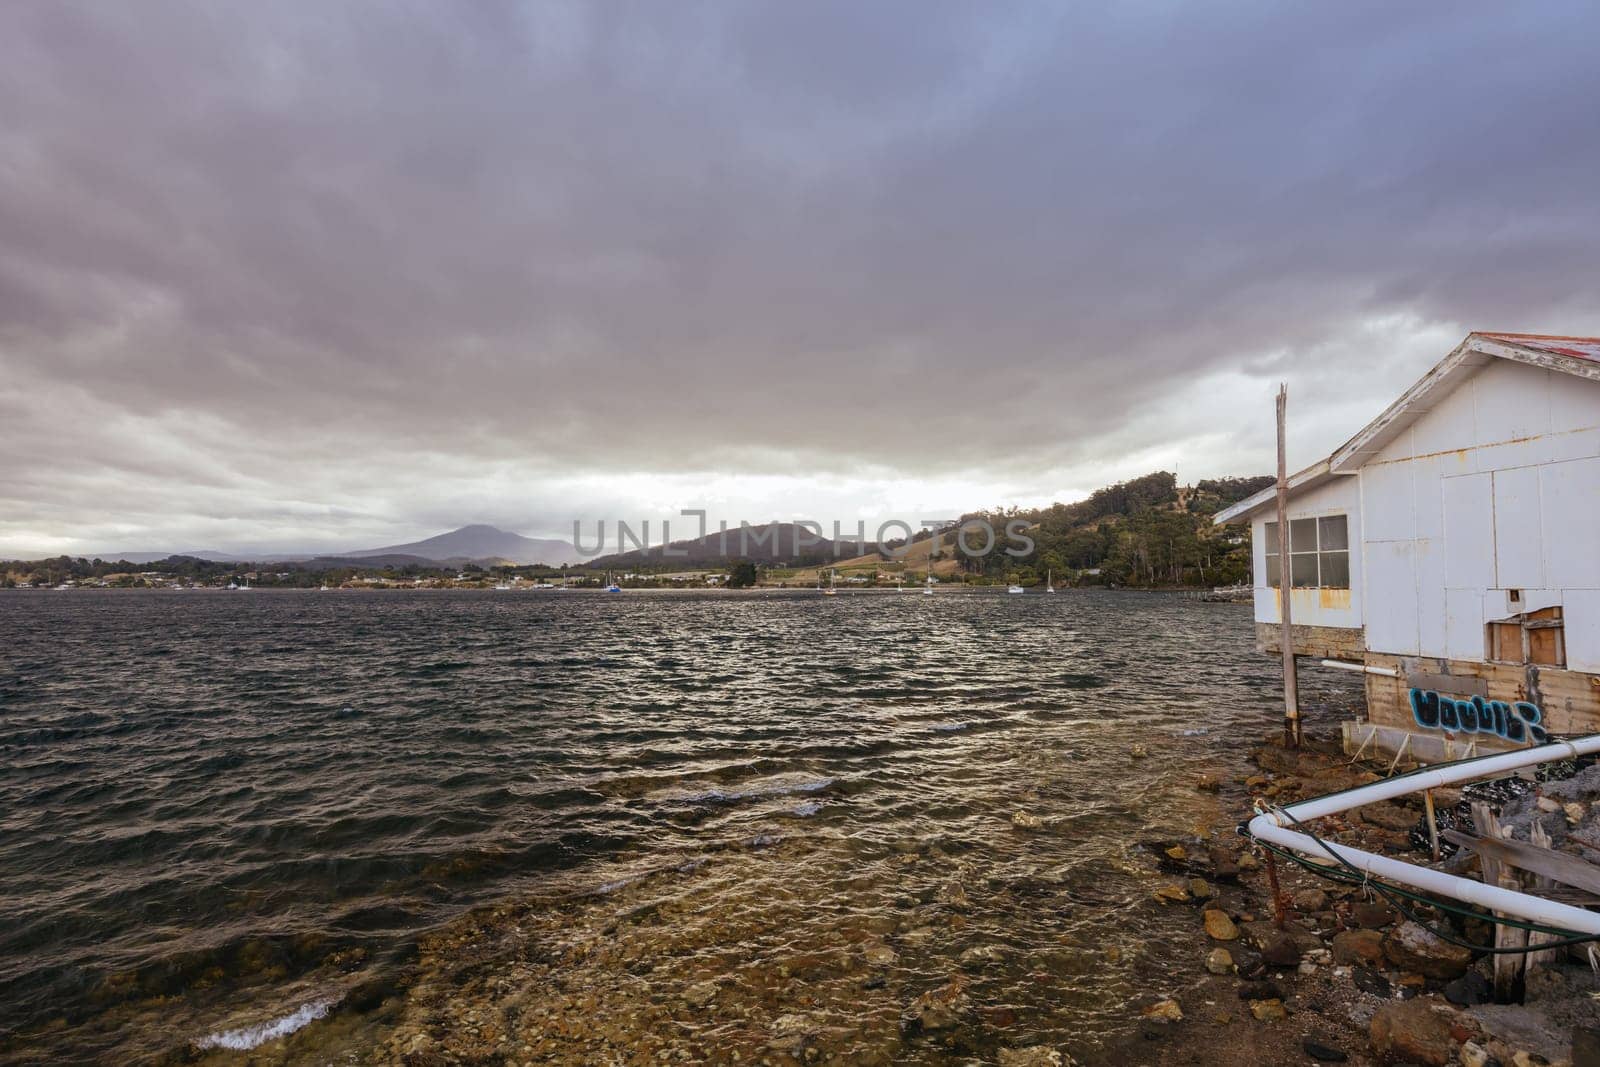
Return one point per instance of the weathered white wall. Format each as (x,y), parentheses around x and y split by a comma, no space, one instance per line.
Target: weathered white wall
(1313,607)
(1496,488)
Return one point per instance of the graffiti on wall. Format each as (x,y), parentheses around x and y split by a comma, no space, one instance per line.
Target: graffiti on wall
(1519,721)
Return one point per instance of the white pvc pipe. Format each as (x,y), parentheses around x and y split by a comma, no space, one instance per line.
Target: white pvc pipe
(1346,665)
(1274,827)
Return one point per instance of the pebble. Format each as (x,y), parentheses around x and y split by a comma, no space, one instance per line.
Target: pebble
(1164,1011)
(1311,900)
(1201,889)
(1322,1053)
(1219,927)
(1268,1011)
(1219,961)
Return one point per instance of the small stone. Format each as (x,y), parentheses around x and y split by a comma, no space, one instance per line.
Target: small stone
(700,994)
(1370,981)
(1281,951)
(1575,813)
(1310,900)
(1171,893)
(1359,946)
(1266,990)
(1207,784)
(1268,1011)
(1034,1056)
(1178,852)
(1219,961)
(1413,1030)
(1201,889)
(1219,927)
(1138,752)
(1164,1011)
(1412,947)
(1023,821)
(1248,862)
(1474,1055)
(880,955)
(1320,1052)
(1371,915)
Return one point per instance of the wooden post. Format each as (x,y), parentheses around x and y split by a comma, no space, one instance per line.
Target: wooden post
(1541,884)
(1433,824)
(1506,964)
(1291,693)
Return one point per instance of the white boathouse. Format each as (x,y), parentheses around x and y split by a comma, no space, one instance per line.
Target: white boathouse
(1452,548)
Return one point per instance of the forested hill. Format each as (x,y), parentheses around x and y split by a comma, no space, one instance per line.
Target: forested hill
(1144,532)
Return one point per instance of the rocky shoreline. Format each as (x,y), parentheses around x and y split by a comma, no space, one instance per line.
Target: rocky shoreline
(1345,979)
(767,957)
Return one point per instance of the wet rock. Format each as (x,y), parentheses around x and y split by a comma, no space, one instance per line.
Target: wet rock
(1023,821)
(1474,1055)
(1248,862)
(1471,988)
(978,955)
(1201,889)
(1279,950)
(1320,1052)
(1207,784)
(1371,915)
(1138,752)
(1268,1011)
(1171,893)
(1310,900)
(1034,1056)
(700,994)
(1411,947)
(1415,1030)
(938,1009)
(879,955)
(1164,1011)
(1219,961)
(1178,853)
(1370,981)
(1224,868)
(1264,990)
(1359,946)
(1219,927)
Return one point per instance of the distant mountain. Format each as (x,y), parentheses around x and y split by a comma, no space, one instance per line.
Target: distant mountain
(773,542)
(476,543)
(209,555)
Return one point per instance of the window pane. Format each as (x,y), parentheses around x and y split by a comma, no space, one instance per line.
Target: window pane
(1302,536)
(1302,568)
(1335,570)
(1273,581)
(1272,538)
(1333,532)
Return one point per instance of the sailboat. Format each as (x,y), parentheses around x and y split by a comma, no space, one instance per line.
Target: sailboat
(612,587)
(1015,588)
(1050,581)
(927,590)
(832,579)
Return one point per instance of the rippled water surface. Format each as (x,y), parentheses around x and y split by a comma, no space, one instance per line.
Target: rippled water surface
(223,807)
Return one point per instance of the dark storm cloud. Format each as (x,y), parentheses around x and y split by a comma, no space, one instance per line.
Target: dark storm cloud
(324,245)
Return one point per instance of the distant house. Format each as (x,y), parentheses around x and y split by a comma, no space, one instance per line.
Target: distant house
(1452,545)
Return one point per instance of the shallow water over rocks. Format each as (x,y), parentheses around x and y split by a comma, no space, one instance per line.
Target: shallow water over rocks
(861,827)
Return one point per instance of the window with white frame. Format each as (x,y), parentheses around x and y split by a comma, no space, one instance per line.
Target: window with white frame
(1319,553)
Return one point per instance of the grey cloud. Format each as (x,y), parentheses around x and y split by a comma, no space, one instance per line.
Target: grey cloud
(779,238)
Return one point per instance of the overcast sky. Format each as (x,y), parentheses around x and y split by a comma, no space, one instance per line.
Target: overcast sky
(334,275)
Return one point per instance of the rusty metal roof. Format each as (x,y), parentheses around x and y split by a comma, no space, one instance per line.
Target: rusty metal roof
(1576,347)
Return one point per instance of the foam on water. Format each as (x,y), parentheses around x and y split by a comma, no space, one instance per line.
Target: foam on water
(249,1037)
